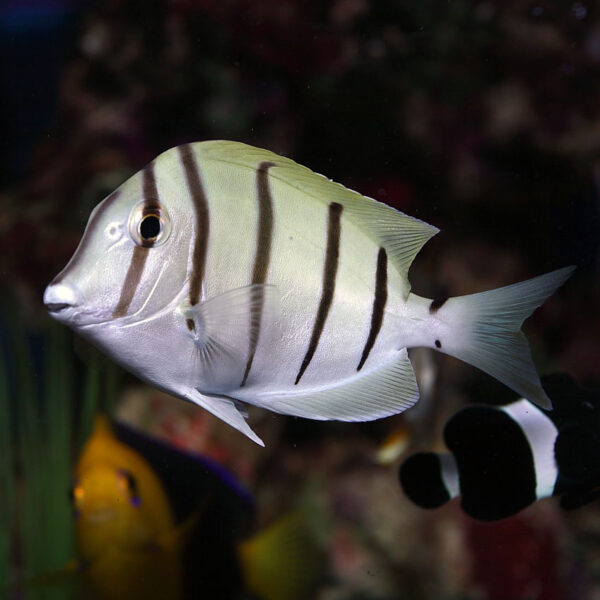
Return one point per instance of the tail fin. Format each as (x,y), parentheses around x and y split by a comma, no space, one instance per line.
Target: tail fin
(485,331)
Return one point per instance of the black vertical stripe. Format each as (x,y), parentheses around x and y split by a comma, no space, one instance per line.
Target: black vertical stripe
(437,304)
(132,280)
(378,305)
(140,253)
(329,272)
(262,257)
(194,183)
(149,186)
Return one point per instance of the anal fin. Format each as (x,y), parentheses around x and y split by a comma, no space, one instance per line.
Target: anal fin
(389,390)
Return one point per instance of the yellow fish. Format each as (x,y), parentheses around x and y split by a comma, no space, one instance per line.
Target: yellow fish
(130,546)
(127,540)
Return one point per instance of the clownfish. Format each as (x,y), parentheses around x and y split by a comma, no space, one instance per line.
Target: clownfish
(504,458)
(227,275)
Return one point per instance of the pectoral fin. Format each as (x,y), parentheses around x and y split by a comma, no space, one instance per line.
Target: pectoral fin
(227,330)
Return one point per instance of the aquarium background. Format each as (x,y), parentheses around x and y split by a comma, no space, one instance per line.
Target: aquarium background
(482,118)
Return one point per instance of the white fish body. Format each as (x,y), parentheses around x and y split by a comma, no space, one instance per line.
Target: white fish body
(262,282)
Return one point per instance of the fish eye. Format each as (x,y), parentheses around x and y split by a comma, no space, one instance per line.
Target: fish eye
(150,227)
(149,224)
(129,482)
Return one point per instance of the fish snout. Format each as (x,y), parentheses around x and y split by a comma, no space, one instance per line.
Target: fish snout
(59,298)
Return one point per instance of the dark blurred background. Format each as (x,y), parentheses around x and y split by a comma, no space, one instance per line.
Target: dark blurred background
(480,117)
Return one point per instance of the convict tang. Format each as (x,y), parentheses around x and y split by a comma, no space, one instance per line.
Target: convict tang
(225,274)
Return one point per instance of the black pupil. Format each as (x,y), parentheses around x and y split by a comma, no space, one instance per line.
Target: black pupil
(131,483)
(150,227)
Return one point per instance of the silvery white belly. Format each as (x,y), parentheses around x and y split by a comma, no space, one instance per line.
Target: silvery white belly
(161,351)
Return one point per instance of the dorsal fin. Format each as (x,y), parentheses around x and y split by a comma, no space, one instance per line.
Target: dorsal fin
(402,236)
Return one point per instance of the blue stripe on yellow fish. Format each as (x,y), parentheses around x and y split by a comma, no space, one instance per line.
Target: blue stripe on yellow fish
(228,275)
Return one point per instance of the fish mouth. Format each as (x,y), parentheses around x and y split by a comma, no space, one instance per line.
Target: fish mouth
(66,304)
(59,298)
(74,316)
(56,307)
